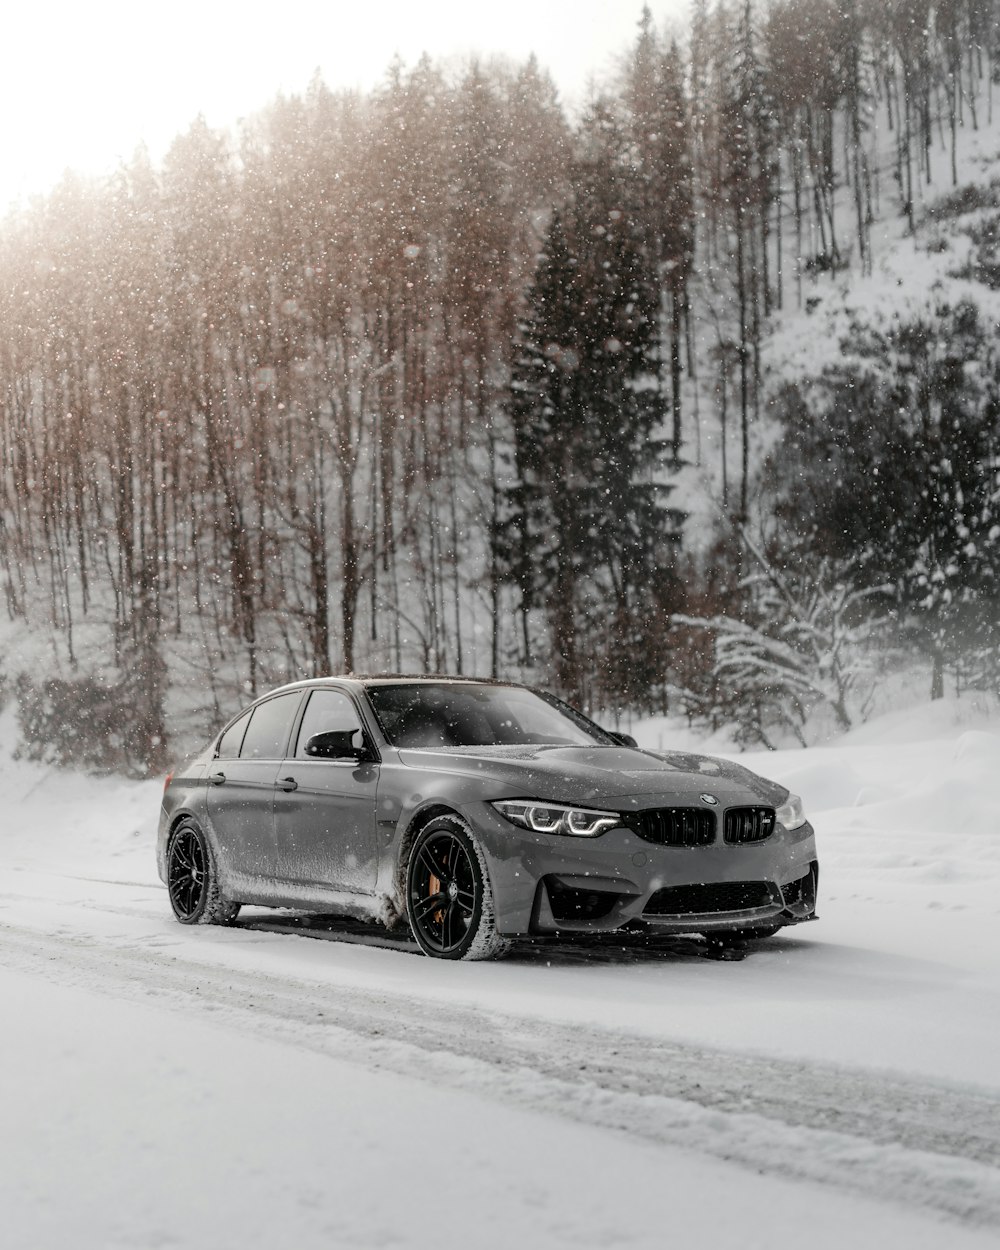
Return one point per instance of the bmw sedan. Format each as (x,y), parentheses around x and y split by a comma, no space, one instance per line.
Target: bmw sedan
(479,813)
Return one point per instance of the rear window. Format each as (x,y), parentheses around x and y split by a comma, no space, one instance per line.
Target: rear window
(271,723)
(232,739)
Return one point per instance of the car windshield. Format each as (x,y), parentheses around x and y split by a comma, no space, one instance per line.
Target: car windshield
(441,716)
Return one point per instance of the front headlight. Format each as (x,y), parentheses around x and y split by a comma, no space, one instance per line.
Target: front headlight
(791,813)
(579,822)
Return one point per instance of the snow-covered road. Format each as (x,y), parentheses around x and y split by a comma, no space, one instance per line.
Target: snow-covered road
(842,1079)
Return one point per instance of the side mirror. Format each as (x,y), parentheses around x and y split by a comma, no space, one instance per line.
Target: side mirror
(625,740)
(337,744)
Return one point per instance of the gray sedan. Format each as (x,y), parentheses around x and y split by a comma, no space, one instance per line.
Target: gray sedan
(480,813)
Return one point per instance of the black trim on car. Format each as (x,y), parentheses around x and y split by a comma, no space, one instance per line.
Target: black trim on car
(712,897)
(673,826)
(745,825)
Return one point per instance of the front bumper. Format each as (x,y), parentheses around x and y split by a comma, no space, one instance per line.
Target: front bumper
(546,883)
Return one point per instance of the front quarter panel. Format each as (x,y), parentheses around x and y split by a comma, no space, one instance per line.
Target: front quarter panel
(408,795)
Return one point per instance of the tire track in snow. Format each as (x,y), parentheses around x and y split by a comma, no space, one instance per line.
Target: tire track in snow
(905,1140)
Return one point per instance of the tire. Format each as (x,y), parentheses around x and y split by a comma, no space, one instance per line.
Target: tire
(449,900)
(192,878)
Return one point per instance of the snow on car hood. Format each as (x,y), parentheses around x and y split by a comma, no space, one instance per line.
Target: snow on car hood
(598,774)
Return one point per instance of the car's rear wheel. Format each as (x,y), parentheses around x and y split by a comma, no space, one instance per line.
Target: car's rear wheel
(192,879)
(449,901)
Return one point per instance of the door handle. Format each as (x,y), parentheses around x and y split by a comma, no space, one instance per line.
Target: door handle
(287,784)
(217,779)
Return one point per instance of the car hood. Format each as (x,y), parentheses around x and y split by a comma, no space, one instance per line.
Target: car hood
(599,775)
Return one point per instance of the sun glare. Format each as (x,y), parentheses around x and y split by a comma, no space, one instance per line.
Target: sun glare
(88,84)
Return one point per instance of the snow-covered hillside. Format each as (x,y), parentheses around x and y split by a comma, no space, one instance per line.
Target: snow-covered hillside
(163,1086)
(913,273)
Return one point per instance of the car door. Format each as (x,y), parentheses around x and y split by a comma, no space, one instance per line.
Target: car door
(241,787)
(324,811)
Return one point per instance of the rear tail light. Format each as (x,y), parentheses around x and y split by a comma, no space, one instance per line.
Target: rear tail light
(167,780)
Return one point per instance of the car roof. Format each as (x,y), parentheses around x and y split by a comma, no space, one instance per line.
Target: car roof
(382,679)
(379,679)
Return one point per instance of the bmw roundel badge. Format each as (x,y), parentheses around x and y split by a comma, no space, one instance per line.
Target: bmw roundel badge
(710,799)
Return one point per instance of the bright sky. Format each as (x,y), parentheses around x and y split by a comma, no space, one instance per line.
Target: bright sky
(84,83)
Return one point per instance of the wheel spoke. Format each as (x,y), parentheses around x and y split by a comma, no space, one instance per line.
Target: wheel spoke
(427,905)
(444,855)
(180,892)
(428,862)
(182,858)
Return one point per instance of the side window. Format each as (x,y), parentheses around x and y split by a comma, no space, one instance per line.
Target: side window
(328,711)
(232,739)
(269,727)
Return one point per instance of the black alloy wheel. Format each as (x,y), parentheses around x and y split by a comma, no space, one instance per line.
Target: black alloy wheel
(192,881)
(448,897)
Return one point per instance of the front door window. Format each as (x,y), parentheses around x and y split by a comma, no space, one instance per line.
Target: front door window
(328,711)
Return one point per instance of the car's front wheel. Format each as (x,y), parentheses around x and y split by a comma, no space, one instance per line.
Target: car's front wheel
(192,879)
(449,901)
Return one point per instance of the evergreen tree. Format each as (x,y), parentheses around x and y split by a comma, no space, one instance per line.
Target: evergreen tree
(588,527)
(748,143)
(660,152)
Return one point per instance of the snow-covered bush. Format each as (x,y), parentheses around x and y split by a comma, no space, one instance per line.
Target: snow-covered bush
(889,468)
(88,722)
(799,644)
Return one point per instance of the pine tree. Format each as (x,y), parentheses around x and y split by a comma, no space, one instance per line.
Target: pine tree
(749,147)
(660,153)
(588,527)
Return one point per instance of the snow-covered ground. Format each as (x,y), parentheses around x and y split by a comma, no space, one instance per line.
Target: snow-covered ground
(161,1086)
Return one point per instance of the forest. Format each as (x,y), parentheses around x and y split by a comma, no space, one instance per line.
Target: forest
(446,378)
